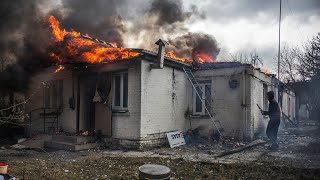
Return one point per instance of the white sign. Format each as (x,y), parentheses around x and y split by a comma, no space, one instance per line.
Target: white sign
(175,139)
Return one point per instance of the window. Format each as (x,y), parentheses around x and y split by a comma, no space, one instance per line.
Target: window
(264,95)
(289,106)
(204,90)
(53,94)
(120,91)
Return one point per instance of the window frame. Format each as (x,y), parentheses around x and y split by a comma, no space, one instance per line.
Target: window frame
(53,94)
(194,98)
(120,107)
(264,96)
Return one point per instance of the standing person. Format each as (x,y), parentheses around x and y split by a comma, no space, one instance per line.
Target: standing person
(274,122)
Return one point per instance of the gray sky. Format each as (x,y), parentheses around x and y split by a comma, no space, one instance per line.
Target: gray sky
(245,25)
(239,25)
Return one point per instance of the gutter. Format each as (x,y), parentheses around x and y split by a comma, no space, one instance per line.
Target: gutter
(244,105)
(78,105)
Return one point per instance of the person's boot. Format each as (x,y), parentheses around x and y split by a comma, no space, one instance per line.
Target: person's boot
(274,146)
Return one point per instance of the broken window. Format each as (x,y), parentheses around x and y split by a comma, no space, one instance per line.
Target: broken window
(204,90)
(53,94)
(120,91)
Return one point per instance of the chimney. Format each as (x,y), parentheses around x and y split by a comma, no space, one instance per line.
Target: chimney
(160,57)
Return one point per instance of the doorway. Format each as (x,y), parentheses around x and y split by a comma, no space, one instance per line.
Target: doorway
(103,105)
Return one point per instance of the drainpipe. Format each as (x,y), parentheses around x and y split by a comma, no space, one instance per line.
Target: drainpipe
(160,58)
(78,105)
(244,105)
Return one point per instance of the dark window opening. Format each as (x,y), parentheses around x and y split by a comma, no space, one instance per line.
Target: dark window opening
(120,91)
(53,94)
(202,100)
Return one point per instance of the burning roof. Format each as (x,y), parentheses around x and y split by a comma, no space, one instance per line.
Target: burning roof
(74,46)
(71,46)
(217,65)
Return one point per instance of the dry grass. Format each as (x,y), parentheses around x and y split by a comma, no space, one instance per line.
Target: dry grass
(127,168)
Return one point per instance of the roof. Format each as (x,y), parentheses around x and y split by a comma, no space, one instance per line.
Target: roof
(216,65)
(145,55)
(151,56)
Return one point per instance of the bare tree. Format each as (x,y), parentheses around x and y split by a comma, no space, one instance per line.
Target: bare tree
(248,58)
(310,65)
(310,68)
(291,59)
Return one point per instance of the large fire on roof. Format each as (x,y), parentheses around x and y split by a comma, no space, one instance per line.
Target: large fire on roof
(74,46)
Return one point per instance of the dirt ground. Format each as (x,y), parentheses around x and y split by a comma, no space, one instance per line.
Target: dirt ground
(297,158)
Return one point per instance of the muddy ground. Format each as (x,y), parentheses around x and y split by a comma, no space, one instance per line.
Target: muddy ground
(297,158)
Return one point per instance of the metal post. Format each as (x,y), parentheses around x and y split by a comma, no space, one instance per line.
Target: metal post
(44,120)
(279,55)
(30,124)
(57,121)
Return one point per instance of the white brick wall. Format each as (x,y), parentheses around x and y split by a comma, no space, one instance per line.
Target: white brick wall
(159,99)
(226,102)
(163,100)
(67,119)
(128,126)
(258,122)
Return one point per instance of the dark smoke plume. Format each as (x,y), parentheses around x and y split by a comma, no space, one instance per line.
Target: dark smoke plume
(168,12)
(190,44)
(167,19)
(98,18)
(25,37)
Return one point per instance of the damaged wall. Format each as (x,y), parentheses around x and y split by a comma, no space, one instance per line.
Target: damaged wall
(226,102)
(67,119)
(258,122)
(288,104)
(163,101)
(126,125)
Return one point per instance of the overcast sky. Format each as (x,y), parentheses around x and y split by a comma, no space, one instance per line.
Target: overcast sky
(245,25)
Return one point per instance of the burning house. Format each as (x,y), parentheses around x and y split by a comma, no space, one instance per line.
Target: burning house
(134,96)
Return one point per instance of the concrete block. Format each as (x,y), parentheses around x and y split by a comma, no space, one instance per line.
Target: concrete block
(72,139)
(70,146)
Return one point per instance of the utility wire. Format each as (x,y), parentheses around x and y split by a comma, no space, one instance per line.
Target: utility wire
(25,101)
(299,31)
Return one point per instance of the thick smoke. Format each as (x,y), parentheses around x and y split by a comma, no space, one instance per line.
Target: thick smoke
(26,40)
(168,12)
(190,44)
(168,19)
(98,18)
(25,36)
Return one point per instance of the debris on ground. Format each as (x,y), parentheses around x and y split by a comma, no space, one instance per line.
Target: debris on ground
(250,145)
(297,158)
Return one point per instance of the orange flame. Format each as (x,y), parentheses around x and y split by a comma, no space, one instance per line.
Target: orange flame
(81,48)
(59,69)
(172,55)
(202,57)
(265,71)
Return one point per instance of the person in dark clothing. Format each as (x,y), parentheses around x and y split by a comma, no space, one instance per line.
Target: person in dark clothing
(274,122)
